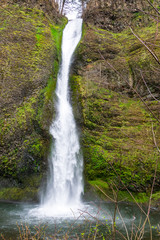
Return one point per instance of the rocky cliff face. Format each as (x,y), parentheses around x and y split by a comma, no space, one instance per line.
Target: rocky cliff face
(117,15)
(49,7)
(30,42)
(118,86)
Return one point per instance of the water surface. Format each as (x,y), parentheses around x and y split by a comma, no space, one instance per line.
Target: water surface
(92,216)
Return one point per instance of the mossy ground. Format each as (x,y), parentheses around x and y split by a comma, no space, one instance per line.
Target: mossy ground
(110,193)
(117,126)
(29,58)
(26,192)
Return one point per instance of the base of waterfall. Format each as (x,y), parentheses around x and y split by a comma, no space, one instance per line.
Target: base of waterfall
(58,211)
(90,218)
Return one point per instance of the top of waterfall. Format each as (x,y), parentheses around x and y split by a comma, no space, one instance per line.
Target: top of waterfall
(72,9)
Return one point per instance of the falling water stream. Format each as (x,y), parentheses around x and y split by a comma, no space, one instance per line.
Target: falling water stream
(65,184)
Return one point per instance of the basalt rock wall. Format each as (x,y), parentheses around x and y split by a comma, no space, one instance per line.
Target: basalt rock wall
(116,80)
(29,59)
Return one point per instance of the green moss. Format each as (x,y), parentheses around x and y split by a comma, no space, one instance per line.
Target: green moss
(21,117)
(57,32)
(156,196)
(117,138)
(108,191)
(29,57)
(18,194)
(100,184)
(134,197)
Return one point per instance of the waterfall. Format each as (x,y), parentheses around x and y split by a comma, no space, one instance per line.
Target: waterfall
(65,183)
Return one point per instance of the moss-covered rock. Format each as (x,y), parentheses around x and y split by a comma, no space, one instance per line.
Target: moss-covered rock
(110,193)
(117,15)
(114,70)
(29,58)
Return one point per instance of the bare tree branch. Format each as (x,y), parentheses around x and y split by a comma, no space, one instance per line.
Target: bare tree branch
(148,87)
(150,14)
(154,139)
(152,53)
(153,6)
